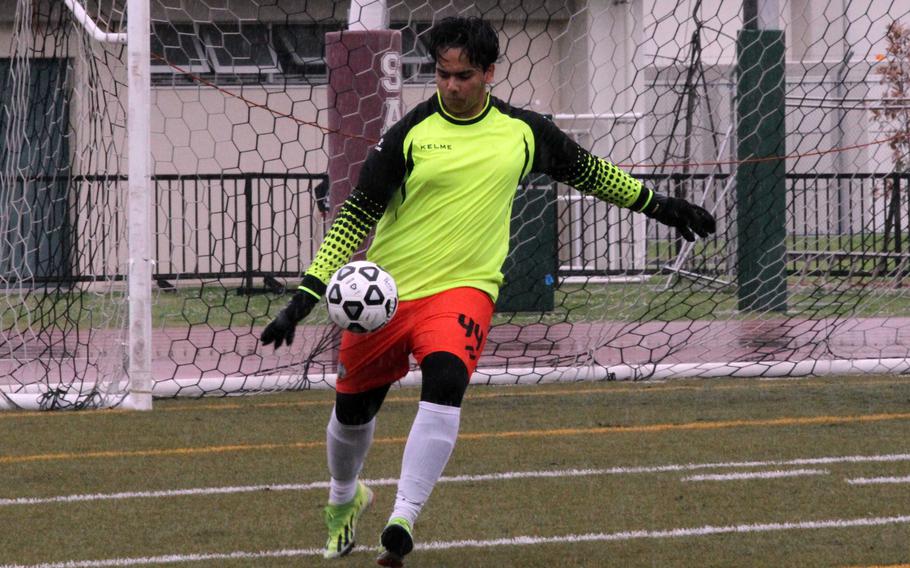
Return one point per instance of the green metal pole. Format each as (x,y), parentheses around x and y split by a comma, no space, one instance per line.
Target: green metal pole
(760,180)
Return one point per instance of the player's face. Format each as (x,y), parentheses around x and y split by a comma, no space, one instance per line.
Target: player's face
(461,85)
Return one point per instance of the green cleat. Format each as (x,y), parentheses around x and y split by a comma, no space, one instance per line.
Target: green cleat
(396,541)
(341,521)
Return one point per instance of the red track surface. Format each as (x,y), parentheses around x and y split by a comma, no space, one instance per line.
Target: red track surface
(190,354)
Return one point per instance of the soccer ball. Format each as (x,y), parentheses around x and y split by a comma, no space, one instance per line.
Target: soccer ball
(361,297)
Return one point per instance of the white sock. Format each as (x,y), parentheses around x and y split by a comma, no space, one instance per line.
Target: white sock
(347,448)
(426,453)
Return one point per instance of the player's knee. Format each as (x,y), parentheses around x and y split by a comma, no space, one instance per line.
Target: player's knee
(445,379)
(359,408)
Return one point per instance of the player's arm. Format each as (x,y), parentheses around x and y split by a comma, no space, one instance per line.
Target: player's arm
(381,174)
(565,161)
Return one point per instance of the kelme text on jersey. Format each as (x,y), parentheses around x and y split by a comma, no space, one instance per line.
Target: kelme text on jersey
(434,146)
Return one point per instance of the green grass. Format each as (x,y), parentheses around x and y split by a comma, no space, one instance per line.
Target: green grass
(278,440)
(221,307)
(821,254)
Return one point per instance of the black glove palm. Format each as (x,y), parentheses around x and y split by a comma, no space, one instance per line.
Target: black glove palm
(685,216)
(281,330)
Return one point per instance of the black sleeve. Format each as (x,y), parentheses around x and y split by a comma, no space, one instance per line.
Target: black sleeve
(384,169)
(554,151)
(386,165)
(561,158)
(380,176)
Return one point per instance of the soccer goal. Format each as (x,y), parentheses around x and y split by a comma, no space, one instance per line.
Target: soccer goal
(75,267)
(167,171)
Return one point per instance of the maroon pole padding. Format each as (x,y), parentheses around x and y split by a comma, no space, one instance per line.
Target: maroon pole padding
(364,99)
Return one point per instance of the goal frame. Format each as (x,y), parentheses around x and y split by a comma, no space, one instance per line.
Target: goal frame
(139,198)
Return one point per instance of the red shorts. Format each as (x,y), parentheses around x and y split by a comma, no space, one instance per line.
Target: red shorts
(455,321)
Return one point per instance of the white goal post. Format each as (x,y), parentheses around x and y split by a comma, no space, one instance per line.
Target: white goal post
(138,392)
(140,207)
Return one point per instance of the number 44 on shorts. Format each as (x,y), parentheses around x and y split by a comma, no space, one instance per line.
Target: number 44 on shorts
(474,334)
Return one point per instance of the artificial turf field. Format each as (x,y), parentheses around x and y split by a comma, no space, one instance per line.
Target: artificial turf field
(747,472)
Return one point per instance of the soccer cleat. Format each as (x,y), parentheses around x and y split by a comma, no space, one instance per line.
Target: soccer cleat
(396,541)
(341,521)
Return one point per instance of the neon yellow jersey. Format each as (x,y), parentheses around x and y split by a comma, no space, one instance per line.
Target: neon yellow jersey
(448,226)
(444,189)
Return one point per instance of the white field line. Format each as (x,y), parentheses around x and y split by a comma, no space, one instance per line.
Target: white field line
(755,475)
(492,543)
(669,468)
(878,480)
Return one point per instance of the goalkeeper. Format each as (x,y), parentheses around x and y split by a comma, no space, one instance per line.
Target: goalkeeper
(438,188)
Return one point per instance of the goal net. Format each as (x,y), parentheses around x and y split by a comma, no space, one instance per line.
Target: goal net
(791,126)
(62,214)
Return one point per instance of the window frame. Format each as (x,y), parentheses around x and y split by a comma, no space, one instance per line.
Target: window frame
(221,69)
(200,44)
(282,33)
(412,60)
(200,64)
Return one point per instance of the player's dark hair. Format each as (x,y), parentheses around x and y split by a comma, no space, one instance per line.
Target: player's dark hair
(475,36)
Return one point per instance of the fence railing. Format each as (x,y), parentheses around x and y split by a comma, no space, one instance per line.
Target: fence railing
(240,226)
(838,224)
(262,226)
(249,226)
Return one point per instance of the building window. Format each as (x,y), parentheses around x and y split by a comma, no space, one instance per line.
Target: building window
(301,51)
(177,45)
(232,53)
(416,64)
(239,49)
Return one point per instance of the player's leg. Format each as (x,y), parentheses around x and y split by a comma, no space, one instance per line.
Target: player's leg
(349,436)
(367,370)
(433,432)
(447,342)
(427,451)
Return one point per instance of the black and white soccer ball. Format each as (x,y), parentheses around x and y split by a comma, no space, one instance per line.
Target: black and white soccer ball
(361,297)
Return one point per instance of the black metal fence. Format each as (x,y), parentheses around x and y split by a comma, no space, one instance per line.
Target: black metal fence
(838,224)
(241,226)
(250,226)
(258,227)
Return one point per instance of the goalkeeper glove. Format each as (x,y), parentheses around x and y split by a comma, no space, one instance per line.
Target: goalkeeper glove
(686,217)
(281,330)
